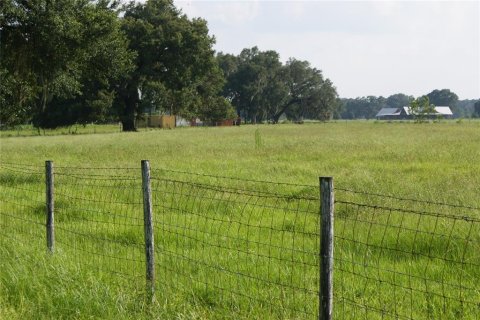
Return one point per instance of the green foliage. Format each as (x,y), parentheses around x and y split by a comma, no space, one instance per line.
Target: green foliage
(16,97)
(443,97)
(69,61)
(476,112)
(262,88)
(362,108)
(175,71)
(398,100)
(421,109)
(63,55)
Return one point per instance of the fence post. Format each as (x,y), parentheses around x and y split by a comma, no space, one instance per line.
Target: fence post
(326,248)
(148,227)
(50,193)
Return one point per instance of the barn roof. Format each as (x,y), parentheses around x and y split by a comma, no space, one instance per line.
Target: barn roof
(440,110)
(407,110)
(388,112)
(444,110)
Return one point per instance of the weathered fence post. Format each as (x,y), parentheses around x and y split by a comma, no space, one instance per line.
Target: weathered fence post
(50,193)
(148,227)
(326,248)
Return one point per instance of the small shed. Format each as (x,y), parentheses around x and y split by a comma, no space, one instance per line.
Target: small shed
(157,121)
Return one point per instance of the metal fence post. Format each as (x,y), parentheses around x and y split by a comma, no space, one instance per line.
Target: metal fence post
(326,248)
(50,193)
(148,227)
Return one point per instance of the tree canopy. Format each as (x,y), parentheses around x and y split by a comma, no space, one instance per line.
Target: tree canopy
(476,112)
(59,56)
(422,108)
(80,61)
(263,89)
(71,61)
(175,68)
(363,108)
(443,97)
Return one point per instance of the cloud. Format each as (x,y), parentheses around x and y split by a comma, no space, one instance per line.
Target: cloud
(366,48)
(232,13)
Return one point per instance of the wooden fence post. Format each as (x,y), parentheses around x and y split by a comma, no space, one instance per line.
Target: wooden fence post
(50,193)
(326,248)
(148,228)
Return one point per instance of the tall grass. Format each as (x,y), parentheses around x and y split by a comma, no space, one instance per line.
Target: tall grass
(433,161)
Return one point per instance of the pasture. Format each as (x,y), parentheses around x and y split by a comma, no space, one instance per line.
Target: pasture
(235,227)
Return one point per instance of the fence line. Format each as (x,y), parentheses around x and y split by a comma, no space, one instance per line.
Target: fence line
(394,261)
(252,247)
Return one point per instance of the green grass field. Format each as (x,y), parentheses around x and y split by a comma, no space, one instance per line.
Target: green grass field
(227,250)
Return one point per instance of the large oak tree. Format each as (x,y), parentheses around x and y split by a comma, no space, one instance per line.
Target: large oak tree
(175,67)
(262,88)
(58,52)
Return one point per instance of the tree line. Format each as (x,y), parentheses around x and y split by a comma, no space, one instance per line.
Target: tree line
(80,61)
(368,107)
(65,62)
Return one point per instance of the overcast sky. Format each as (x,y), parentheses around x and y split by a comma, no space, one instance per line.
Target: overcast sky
(364,47)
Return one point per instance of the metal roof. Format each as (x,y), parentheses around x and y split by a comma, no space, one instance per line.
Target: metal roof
(444,110)
(388,112)
(440,110)
(407,109)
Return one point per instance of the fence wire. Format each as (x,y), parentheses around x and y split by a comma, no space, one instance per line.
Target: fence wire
(237,249)
(99,221)
(22,204)
(399,258)
(250,249)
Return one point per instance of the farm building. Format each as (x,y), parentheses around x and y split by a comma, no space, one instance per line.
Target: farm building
(157,121)
(170,122)
(405,113)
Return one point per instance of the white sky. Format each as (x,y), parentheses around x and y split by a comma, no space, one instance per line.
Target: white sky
(364,47)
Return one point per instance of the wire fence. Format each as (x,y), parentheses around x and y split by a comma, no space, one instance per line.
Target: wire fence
(399,258)
(252,248)
(236,248)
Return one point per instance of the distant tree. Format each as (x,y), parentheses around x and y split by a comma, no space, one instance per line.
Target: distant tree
(421,108)
(262,88)
(362,108)
(476,110)
(398,100)
(310,95)
(465,108)
(443,97)
(254,82)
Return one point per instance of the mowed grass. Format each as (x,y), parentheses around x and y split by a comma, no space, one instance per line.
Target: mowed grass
(420,259)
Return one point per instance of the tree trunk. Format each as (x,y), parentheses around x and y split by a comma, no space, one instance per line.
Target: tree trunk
(275,118)
(283,109)
(128,124)
(130,100)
